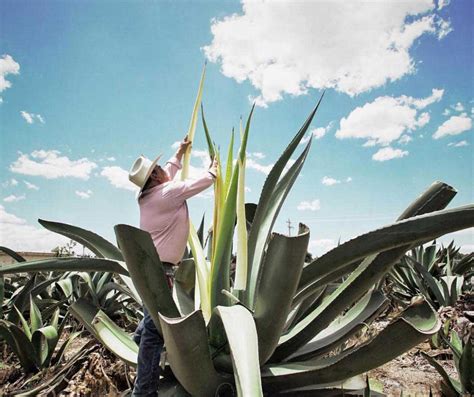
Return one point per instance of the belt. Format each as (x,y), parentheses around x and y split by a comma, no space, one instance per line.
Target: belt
(169,268)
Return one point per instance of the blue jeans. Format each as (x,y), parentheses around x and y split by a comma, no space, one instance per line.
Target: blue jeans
(149,351)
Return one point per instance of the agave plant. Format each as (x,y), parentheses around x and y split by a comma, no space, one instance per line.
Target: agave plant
(464,362)
(34,343)
(440,275)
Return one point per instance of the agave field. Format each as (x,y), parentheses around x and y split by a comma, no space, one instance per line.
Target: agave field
(247,315)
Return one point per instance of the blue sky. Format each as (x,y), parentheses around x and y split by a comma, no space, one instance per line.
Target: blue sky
(86,87)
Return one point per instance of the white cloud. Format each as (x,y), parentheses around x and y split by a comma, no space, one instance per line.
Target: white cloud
(458,107)
(13,182)
(348,179)
(446,112)
(176,144)
(7,66)
(12,198)
(258,155)
(443,3)
(328,181)
(285,47)
(31,186)
(317,133)
(388,153)
(459,144)
(309,205)
(49,164)
(118,177)
(84,195)
(386,119)
(110,158)
(31,117)
(455,125)
(321,246)
(247,189)
(444,28)
(254,165)
(19,236)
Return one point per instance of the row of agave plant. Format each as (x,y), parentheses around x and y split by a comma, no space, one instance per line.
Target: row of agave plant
(268,328)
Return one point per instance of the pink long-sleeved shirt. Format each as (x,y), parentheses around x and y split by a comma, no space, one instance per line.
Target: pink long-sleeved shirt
(164,212)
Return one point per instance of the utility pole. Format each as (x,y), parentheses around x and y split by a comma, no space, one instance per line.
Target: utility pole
(289,226)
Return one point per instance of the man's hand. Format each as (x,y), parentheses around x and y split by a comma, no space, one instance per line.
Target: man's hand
(213,167)
(183,146)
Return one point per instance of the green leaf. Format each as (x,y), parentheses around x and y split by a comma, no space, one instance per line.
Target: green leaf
(466,368)
(413,326)
(280,273)
(241,334)
(454,385)
(64,264)
(345,326)
(210,145)
(187,350)
(268,207)
(20,344)
(242,252)
(192,126)
(44,341)
(35,316)
(24,323)
(97,244)
(146,271)
(413,231)
(105,330)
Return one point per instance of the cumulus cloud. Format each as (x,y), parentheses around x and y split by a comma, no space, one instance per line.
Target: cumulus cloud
(12,198)
(285,47)
(31,117)
(328,181)
(455,125)
(258,155)
(388,153)
(443,3)
(7,66)
(386,119)
(405,139)
(309,205)
(349,179)
(254,165)
(321,246)
(459,107)
(18,235)
(51,165)
(317,133)
(84,195)
(31,185)
(459,144)
(118,177)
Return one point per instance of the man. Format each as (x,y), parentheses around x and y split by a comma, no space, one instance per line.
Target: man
(164,214)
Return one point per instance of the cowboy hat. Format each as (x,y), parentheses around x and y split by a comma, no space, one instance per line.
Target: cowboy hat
(141,171)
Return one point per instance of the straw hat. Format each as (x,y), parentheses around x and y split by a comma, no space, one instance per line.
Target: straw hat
(141,171)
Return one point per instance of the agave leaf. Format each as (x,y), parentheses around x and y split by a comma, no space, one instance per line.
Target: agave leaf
(35,316)
(60,353)
(413,326)
(44,341)
(412,231)
(187,349)
(306,306)
(146,271)
(105,330)
(17,257)
(281,270)
(97,244)
(241,334)
(210,145)
(185,274)
(131,287)
(24,323)
(466,368)
(192,126)
(229,164)
(20,344)
(220,272)
(453,384)
(242,255)
(183,301)
(202,273)
(267,211)
(64,264)
(429,279)
(345,326)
